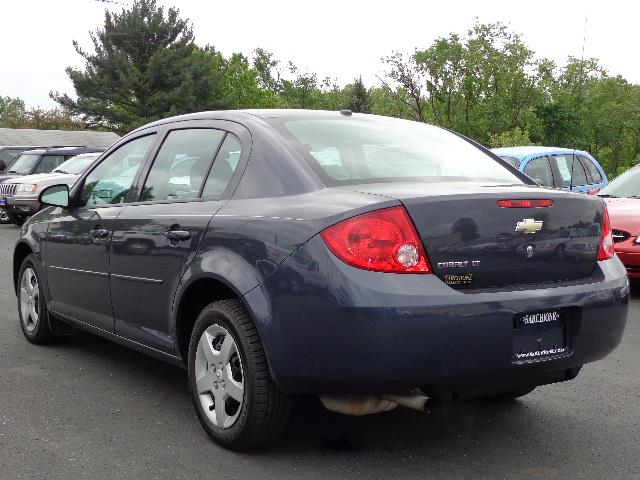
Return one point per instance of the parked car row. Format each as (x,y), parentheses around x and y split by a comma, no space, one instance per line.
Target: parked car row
(29,173)
(371,261)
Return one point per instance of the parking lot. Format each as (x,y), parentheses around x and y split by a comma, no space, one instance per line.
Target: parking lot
(87,408)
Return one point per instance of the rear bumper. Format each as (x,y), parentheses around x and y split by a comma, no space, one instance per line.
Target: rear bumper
(328,327)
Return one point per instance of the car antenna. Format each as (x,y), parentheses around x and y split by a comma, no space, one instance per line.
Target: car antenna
(578,104)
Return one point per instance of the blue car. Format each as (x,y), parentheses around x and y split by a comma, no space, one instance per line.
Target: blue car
(557,167)
(371,261)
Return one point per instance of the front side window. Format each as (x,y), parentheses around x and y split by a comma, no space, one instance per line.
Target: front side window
(571,170)
(539,170)
(49,163)
(351,150)
(24,164)
(181,164)
(223,167)
(109,183)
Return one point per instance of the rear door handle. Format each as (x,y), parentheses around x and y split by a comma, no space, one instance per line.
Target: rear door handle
(178,235)
(99,233)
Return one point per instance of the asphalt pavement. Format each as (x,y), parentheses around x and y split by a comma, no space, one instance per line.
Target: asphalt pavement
(87,408)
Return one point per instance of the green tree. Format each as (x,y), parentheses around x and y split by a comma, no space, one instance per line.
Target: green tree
(358,99)
(144,66)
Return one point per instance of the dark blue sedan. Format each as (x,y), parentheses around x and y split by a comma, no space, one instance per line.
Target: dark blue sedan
(372,261)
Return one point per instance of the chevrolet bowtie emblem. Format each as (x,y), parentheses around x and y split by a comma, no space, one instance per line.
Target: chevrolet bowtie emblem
(529,225)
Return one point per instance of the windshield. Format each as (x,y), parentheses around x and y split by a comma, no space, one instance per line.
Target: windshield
(512,160)
(350,150)
(76,165)
(24,164)
(625,185)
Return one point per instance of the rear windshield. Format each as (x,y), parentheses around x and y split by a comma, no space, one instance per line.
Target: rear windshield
(24,164)
(350,150)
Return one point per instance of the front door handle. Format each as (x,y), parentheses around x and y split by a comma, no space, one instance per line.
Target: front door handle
(177,235)
(99,233)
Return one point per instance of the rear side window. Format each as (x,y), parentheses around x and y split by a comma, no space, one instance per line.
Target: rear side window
(571,171)
(593,171)
(181,164)
(49,163)
(223,167)
(539,170)
(350,150)
(109,183)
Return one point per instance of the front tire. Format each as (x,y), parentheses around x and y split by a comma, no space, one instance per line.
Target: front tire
(236,400)
(32,306)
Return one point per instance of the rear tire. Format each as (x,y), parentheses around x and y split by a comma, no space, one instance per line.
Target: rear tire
(236,400)
(32,306)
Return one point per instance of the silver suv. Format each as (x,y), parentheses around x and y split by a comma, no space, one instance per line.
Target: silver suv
(19,199)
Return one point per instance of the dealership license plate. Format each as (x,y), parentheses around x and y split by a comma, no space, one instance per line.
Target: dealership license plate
(539,335)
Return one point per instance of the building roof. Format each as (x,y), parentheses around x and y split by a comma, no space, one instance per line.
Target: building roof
(46,138)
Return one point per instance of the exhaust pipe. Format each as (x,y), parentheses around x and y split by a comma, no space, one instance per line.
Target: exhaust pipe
(358,405)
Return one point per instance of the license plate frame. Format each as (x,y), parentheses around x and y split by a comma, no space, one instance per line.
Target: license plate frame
(540,335)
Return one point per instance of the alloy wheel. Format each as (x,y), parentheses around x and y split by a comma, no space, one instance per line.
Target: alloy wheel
(219,376)
(29,299)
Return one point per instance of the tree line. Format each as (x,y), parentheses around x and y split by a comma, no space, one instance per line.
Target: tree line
(485,83)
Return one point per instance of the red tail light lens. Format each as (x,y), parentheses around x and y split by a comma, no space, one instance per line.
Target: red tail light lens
(535,203)
(383,241)
(605,252)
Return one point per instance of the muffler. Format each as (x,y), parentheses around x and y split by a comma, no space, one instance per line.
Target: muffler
(358,405)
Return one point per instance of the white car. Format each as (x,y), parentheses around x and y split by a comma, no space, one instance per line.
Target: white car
(19,196)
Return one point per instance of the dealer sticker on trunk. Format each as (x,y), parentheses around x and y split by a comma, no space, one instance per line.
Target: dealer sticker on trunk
(462,279)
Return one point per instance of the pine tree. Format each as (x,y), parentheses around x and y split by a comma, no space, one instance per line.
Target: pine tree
(145,66)
(359,99)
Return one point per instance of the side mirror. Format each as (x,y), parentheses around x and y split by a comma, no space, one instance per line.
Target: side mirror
(55,195)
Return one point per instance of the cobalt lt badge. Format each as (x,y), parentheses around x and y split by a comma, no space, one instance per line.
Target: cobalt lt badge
(529,225)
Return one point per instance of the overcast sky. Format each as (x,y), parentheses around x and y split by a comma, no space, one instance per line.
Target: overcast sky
(340,39)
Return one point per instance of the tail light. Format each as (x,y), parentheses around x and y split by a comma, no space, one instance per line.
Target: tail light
(605,251)
(382,241)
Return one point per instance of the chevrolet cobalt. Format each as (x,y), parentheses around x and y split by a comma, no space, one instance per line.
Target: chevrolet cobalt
(371,261)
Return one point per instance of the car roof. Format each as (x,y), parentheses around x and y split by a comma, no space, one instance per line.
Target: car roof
(63,151)
(532,150)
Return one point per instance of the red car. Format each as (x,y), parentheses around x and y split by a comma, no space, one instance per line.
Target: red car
(623,199)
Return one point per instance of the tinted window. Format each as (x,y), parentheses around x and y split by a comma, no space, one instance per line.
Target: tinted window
(109,182)
(49,163)
(348,150)
(568,169)
(181,164)
(539,169)
(512,160)
(24,164)
(223,167)
(593,171)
